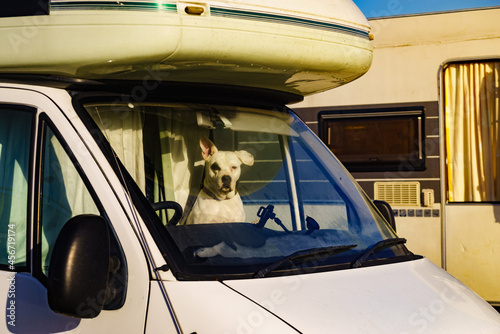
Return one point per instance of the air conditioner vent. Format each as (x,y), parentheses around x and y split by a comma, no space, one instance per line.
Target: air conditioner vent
(398,193)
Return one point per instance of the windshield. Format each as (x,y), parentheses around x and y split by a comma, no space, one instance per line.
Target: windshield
(238,188)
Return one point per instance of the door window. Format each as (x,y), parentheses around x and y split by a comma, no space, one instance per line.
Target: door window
(15,139)
(63,193)
(472,116)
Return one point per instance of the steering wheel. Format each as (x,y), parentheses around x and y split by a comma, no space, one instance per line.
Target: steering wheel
(170,205)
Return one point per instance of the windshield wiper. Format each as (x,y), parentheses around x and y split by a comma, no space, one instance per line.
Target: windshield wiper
(377,248)
(302,255)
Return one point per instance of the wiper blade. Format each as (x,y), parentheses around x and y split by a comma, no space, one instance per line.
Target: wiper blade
(302,256)
(377,248)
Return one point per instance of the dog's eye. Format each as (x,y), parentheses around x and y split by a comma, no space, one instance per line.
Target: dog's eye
(234,167)
(215,167)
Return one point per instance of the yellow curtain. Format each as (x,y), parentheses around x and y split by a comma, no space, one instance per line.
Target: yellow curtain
(472,112)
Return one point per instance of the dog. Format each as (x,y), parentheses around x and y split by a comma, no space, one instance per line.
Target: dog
(219,201)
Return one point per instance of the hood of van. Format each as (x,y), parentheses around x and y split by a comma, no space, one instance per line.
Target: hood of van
(414,296)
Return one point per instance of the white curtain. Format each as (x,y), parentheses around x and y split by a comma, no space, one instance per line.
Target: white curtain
(174,134)
(181,156)
(472,115)
(124,132)
(64,194)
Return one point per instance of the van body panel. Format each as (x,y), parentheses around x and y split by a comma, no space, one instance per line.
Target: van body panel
(473,258)
(412,296)
(161,314)
(217,308)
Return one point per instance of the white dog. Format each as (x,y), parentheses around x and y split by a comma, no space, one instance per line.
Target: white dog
(219,201)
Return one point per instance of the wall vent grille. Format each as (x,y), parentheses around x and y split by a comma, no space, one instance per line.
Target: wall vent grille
(398,193)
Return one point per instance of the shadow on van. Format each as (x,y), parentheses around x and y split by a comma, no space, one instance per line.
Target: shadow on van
(27,309)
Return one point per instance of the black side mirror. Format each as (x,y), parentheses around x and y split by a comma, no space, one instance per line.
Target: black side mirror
(386,211)
(78,275)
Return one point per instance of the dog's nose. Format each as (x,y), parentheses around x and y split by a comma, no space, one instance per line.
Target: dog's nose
(226,179)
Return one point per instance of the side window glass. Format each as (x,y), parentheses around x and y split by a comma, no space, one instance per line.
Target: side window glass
(15,139)
(63,194)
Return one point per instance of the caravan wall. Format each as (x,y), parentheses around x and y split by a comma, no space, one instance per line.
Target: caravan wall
(421,130)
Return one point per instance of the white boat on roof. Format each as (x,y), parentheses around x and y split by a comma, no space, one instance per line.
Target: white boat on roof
(293,46)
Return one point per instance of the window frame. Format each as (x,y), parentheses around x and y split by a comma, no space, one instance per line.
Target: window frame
(120,278)
(445,180)
(388,113)
(45,121)
(162,238)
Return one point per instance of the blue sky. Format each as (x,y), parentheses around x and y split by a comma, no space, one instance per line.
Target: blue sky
(378,8)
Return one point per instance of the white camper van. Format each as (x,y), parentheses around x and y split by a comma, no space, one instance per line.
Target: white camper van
(430,103)
(153,179)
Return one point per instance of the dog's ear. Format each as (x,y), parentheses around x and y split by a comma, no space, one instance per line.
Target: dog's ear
(207,148)
(245,157)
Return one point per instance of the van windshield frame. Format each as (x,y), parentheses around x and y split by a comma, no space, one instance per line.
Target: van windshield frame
(210,251)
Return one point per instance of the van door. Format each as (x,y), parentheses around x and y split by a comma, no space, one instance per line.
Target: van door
(47,177)
(472,209)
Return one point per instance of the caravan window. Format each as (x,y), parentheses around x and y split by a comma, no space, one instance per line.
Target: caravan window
(377,139)
(472,116)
